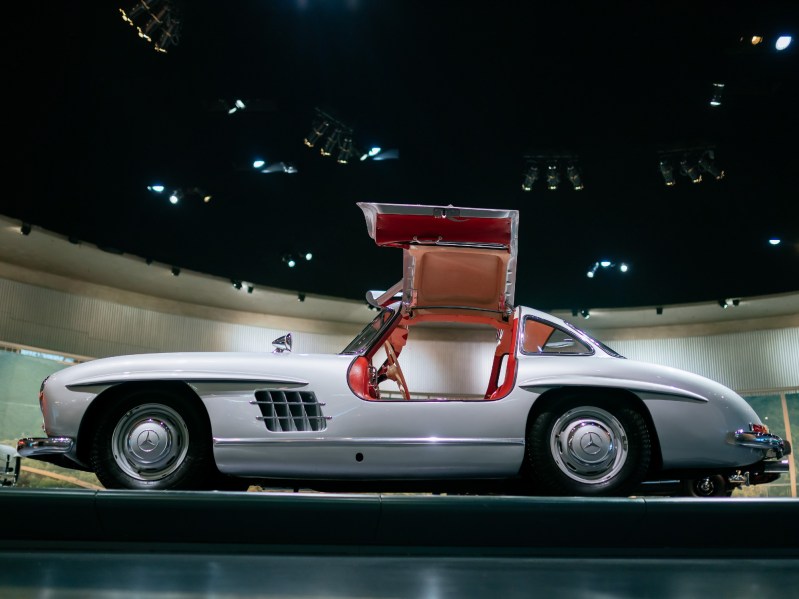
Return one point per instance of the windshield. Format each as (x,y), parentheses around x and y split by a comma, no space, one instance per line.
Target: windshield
(370,333)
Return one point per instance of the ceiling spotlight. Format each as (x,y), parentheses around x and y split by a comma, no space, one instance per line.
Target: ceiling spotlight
(249,288)
(308,256)
(723,304)
(756,39)
(623,267)
(530,177)
(707,165)
(574,176)
(317,131)
(300,297)
(154,19)
(783,42)
(175,196)
(690,171)
(290,261)
(258,163)
(775,241)
(718,89)
(585,313)
(175,271)
(668,173)
(659,310)
(236,284)
(25,229)
(345,150)
(553,177)
(157,188)
(331,143)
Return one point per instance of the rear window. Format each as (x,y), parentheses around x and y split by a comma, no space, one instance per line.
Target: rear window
(541,337)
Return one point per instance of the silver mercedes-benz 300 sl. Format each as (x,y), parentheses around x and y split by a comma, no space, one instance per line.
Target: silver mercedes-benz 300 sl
(558,412)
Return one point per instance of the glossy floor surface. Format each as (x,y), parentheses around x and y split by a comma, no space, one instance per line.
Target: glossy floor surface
(175,545)
(175,576)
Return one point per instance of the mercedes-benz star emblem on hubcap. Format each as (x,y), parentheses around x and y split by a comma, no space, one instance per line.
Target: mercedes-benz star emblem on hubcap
(148,440)
(589,443)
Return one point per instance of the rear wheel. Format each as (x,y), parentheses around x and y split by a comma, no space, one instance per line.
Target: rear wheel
(153,439)
(588,447)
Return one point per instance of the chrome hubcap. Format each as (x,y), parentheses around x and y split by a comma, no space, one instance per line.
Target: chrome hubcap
(150,441)
(589,445)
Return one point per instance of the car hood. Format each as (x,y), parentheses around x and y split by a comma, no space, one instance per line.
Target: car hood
(261,368)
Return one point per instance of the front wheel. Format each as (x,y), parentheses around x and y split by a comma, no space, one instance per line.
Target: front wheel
(153,439)
(587,447)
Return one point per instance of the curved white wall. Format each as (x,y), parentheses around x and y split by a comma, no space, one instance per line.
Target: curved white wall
(92,326)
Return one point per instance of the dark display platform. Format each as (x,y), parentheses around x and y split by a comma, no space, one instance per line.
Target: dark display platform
(102,543)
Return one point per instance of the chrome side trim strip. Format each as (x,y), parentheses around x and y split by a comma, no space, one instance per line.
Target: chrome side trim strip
(30,447)
(373,441)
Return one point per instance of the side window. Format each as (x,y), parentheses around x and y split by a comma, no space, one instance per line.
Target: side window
(543,338)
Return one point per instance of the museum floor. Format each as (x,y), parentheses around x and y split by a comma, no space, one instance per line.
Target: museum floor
(93,544)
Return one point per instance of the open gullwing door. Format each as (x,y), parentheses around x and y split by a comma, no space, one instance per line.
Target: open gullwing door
(453,258)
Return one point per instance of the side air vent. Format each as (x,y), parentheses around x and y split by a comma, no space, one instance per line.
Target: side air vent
(285,411)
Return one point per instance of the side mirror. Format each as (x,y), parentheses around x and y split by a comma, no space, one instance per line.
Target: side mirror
(282,344)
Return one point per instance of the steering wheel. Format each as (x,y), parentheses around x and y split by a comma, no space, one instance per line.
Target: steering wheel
(394,372)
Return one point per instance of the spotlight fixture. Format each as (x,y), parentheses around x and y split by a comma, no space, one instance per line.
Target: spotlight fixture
(331,143)
(575,312)
(659,310)
(289,261)
(723,304)
(553,176)
(718,90)
(530,177)
(175,197)
(308,256)
(155,19)
(236,284)
(783,42)
(249,288)
(574,176)
(775,241)
(345,150)
(606,264)
(668,173)
(25,229)
(340,140)
(585,313)
(706,164)
(317,131)
(300,297)
(175,271)
(236,106)
(156,188)
(690,170)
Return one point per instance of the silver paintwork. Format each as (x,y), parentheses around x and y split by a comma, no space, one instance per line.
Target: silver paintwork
(692,416)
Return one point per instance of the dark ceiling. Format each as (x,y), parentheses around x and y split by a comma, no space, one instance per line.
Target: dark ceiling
(464,92)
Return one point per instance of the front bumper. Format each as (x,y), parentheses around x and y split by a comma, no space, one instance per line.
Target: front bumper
(34,447)
(771,445)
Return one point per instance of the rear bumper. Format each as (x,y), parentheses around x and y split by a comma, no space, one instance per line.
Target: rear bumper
(772,446)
